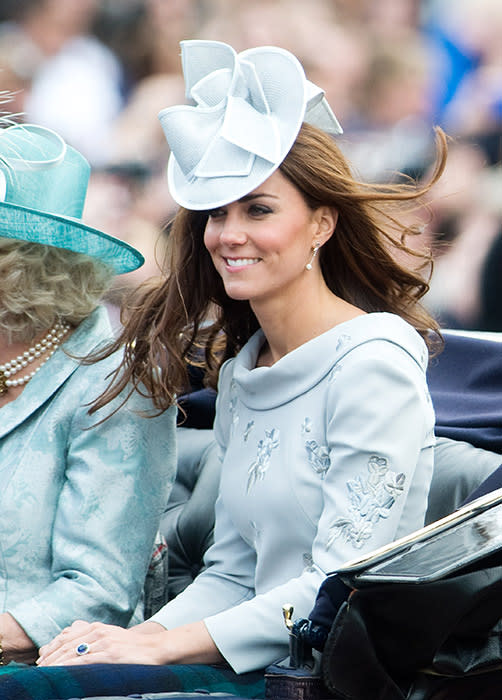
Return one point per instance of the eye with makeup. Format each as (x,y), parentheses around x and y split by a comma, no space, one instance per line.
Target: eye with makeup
(257,210)
(215,213)
(253,210)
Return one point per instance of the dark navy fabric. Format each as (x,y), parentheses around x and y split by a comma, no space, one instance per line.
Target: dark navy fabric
(465,382)
(196,409)
(197,406)
(492,483)
(332,593)
(21,682)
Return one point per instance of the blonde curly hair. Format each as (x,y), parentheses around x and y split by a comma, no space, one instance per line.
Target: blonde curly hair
(40,284)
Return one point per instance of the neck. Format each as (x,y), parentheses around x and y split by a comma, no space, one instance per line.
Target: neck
(19,362)
(10,350)
(288,326)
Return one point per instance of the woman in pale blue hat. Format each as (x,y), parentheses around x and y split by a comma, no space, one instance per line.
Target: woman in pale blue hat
(80,494)
(285,270)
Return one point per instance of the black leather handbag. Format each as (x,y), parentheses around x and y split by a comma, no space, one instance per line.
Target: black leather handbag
(424,618)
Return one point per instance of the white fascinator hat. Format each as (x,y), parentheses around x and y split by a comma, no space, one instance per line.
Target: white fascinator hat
(246,111)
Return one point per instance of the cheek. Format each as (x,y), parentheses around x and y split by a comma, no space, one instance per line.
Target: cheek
(210,238)
(211,243)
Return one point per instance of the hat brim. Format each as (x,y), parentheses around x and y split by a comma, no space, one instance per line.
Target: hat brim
(209,193)
(22,223)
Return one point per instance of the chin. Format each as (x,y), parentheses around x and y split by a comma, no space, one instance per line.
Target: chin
(238,297)
(238,293)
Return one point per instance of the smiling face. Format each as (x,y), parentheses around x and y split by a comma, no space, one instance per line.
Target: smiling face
(261,243)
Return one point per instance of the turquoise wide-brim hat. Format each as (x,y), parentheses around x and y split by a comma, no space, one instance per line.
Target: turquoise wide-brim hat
(43,185)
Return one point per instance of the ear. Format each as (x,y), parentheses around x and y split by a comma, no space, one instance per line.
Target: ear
(325,219)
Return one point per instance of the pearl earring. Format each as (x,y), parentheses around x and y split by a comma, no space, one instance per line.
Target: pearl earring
(308,266)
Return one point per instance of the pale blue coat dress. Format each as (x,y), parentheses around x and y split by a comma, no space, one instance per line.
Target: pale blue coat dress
(79,505)
(327,454)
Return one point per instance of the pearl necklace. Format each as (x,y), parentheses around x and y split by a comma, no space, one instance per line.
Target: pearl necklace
(47,346)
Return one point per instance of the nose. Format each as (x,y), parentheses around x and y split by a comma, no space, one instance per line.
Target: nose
(233,231)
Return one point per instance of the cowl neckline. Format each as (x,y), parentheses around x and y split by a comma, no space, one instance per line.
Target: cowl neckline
(301,369)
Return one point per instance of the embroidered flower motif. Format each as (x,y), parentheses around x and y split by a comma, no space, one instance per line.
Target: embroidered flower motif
(334,372)
(318,457)
(249,428)
(342,341)
(233,404)
(259,467)
(370,500)
(356,532)
(306,425)
(308,561)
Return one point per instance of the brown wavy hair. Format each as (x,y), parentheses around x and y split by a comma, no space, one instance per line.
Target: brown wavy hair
(187,318)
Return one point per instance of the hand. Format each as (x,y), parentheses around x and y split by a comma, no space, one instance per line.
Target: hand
(106,643)
(16,644)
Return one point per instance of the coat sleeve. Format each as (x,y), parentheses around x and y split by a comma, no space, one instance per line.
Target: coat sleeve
(214,589)
(118,475)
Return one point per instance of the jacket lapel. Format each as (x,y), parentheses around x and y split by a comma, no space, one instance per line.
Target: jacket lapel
(54,374)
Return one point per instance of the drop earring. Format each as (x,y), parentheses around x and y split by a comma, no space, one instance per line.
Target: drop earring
(308,266)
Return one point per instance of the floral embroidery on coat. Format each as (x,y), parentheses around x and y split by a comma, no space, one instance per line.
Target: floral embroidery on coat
(233,404)
(318,456)
(371,499)
(259,467)
(247,432)
(342,341)
(308,561)
(334,372)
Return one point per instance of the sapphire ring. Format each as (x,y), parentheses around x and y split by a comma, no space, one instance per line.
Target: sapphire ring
(82,648)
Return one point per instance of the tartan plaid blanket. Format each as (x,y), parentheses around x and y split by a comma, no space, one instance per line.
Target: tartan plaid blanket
(22,682)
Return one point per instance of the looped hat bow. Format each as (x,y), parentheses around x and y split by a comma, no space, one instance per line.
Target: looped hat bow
(43,184)
(248,109)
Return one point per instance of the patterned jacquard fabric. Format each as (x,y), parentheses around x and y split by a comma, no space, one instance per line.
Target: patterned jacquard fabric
(80,501)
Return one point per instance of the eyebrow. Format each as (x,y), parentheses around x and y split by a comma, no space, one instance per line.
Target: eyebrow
(249,197)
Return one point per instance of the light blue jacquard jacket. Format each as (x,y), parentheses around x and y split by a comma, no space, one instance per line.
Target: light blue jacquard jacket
(79,505)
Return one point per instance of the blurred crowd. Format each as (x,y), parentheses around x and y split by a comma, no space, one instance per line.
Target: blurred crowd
(99,71)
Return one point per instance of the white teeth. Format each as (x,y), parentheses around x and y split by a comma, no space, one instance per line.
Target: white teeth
(240,262)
